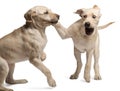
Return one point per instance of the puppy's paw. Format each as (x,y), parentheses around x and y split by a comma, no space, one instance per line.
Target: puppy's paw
(87,78)
(57,25)
(97,77)
(20,81)
(51,82)
(74,76)
(23,81)
(43,57)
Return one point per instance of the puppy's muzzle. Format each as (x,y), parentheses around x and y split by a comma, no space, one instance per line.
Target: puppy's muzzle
(88,30)
(54,21)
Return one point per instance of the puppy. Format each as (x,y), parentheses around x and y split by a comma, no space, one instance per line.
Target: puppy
(84,34)
(26,43)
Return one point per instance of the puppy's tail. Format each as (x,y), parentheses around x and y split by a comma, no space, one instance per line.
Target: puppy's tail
(104,26)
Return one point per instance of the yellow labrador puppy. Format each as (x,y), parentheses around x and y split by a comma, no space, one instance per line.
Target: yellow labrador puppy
(26,43)
(84,34)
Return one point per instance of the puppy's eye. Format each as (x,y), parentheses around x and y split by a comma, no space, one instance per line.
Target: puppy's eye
(46,12)
(84,16)
(94,16)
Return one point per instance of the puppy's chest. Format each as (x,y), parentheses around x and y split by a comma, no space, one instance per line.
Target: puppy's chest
(39,41)
(83,44)
(34,40)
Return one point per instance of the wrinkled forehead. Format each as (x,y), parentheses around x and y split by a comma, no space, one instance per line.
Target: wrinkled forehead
(41,9)
(91,11)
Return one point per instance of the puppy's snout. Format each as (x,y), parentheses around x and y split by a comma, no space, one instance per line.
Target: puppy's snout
(55,20)
(58,16)
(87,24)
(88,29)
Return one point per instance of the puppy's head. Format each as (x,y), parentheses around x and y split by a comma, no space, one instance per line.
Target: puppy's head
(41,16)
(90,18)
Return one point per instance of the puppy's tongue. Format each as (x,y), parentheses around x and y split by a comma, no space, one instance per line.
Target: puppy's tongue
(89,31)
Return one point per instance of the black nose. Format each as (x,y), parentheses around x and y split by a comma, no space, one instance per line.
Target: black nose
(87,24)
(58,16)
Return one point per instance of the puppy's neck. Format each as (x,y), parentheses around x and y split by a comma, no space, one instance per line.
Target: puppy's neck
(30,25)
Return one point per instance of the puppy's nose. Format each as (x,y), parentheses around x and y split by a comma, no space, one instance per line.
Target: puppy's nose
(87,24)
(58,16)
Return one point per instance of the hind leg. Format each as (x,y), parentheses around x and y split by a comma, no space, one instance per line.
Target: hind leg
(10,79)
(4,69)
(88,66)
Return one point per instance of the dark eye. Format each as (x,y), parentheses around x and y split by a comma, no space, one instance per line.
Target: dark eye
(84,16)
(46,12)
(94,16)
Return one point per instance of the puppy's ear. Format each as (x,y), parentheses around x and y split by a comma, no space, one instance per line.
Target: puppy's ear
(28,15)
(79,11)
(96,7)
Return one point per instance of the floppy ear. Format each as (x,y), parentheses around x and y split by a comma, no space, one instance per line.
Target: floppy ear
(28,15)
(79,11)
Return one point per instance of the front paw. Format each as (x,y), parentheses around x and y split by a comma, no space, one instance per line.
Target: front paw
(57,25)
(74,76)
(87,78)
(43,57)
(97,77)
(51,82)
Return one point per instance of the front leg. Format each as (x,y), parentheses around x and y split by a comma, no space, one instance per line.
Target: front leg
(62,31)
(10,79)
(79,64)
(88,65)
(96,64)
(38,64)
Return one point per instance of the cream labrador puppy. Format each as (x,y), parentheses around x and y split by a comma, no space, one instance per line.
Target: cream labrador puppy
(84,34)
(26,43)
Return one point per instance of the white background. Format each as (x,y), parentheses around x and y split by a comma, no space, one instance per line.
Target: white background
(60,59)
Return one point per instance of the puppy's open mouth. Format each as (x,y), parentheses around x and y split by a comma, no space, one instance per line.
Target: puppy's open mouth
(89,31)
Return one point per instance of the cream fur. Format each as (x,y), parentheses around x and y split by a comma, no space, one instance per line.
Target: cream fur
(85,40)
(26,43)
